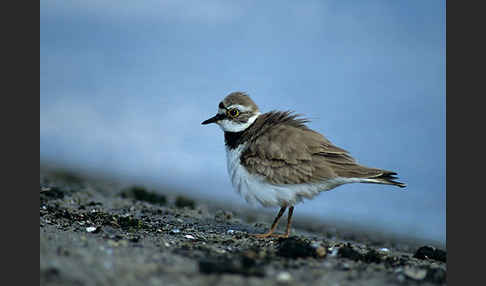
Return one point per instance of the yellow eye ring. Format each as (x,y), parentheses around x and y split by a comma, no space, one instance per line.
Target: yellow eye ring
(233,113)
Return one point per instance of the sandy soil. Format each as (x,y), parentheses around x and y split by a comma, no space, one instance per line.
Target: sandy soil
(94,232)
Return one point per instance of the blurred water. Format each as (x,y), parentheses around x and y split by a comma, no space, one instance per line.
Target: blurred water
(124,87)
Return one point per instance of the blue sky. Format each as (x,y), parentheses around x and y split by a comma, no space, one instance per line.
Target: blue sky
(124,86)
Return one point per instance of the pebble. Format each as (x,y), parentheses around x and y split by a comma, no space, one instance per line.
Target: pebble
(414,273)
(188,236)
(91,229)
(284,277)
(293,247)
(321,252)
(45,189)
(333,251)
(175,230)
(429,252)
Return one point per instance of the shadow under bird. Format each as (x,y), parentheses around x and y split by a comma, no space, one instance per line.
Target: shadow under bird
(276,160)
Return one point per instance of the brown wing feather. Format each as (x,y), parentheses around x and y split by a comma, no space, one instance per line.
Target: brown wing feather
(291,153)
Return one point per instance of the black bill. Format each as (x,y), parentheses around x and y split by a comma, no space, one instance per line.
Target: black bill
(214,118)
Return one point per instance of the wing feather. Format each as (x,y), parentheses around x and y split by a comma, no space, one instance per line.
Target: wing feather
(291,153)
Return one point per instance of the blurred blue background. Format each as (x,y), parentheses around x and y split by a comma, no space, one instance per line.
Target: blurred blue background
(124,86)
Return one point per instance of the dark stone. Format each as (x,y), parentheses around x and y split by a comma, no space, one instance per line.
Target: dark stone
(372,256)
(347,251)
(294,248)
(130,223)
(52,193)
(429,252)
(91,204)
(182,202)
(222,215)
(141,194)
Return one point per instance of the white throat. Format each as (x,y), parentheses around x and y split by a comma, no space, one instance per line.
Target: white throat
(231,126)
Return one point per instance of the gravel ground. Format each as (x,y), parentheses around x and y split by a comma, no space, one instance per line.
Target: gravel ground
(94,232)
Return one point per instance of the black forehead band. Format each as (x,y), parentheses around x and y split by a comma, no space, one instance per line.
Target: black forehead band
(221,105)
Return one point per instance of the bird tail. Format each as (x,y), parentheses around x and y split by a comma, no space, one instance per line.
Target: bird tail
(386,178)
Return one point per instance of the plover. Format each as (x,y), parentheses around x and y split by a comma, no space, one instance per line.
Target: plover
(274,159)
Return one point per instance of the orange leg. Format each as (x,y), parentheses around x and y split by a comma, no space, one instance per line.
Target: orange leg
(289,221)
(275,223)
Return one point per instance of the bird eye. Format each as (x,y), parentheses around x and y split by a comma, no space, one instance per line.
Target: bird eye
(233,112)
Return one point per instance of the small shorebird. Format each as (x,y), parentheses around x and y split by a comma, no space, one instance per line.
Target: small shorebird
(276,160)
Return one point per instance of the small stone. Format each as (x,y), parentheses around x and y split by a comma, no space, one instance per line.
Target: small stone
(91,229)
(188,236)
(141,194)
(135,239)
(414,273)
(182,202)
(284,277)
(333,251)
(295,248)
(321,252)
(429,252)
(230,231)
(372,256)
(222,215)
(347,251)
(45,189)
(384,249)
(175,231)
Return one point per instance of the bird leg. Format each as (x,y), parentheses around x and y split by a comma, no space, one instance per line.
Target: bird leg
(289,222)
(274,224)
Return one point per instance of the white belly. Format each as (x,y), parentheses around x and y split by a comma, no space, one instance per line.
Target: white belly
(255,189)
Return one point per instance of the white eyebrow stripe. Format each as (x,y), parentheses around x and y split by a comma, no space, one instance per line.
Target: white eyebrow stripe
(240,107)
(232,126)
